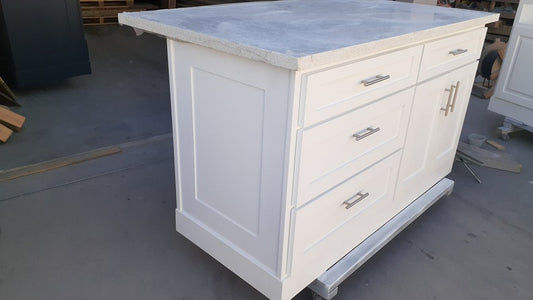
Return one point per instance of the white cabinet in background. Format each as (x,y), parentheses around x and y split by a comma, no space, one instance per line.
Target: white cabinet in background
(513,96)
(299,125)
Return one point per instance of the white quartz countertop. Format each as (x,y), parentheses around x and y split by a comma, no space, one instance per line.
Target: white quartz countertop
(304,34)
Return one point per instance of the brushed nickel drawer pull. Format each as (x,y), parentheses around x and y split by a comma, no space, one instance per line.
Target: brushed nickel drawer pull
(364,133)
(355,199)
(376,79)
(455,95)
(448,103)
(458,51)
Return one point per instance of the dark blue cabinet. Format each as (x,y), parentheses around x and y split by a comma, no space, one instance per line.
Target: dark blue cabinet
(41,42)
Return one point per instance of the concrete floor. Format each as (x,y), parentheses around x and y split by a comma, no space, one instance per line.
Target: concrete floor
(104,229)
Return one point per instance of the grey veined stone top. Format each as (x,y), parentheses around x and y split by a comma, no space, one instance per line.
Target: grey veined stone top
(303,34)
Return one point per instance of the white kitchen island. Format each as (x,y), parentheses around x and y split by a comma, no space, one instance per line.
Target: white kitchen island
(301,127)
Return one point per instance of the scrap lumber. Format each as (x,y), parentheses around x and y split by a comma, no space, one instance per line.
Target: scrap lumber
(7,97)
(11,119)
(10,174)
(490,159)
(495,145)
(5,133)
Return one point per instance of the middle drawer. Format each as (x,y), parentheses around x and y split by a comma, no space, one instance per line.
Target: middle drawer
(336,150)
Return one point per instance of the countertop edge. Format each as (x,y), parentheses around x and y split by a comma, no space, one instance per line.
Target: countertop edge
(401,41)
(178,34)
(307,62)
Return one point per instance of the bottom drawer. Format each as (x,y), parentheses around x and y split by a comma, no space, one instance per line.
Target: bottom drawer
(333,224)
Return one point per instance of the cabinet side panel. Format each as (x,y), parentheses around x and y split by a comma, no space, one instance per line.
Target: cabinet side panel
(513,96)
(174,88)
(233,170)
(231,122)
(517,86)
(520,80)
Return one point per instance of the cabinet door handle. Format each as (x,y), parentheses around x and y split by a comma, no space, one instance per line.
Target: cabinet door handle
(364,133)
(458,51)
(448,103)
(455,95)
(355,199)
(376,79)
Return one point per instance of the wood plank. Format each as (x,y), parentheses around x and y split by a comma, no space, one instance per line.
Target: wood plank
(11,119)
(7,97)
(6,100)
(490,159)
(45,166)
(495,145)
(4,88)
(5,133)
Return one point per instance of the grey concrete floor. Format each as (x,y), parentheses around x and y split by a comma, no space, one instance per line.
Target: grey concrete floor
(124,99)
(104,229)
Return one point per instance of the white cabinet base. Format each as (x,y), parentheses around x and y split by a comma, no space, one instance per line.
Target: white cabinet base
(290,130)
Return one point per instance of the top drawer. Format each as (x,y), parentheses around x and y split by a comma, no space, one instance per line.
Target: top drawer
(335,91)
(450,53)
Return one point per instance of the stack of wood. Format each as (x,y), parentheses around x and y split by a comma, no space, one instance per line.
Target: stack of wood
(9,120)
(101,12)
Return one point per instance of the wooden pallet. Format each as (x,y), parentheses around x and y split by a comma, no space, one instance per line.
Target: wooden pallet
(105,3)
(189,3)
(88,21)
(109,14)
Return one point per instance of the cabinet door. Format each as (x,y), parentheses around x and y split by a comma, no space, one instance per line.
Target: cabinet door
(513,96)
(436,120)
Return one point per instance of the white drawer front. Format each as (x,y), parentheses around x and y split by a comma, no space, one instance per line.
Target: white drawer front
(335,91)
(325,230)
(450,53)
(330,153)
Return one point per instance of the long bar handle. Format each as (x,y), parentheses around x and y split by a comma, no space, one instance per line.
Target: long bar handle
(448,103)
(458,51)
(455,95)
(376,79)
(355,199)
(365,133)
